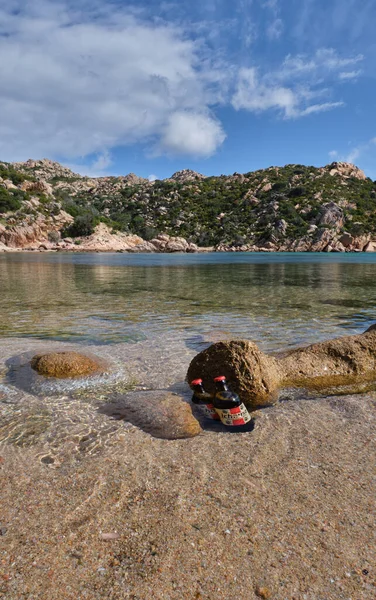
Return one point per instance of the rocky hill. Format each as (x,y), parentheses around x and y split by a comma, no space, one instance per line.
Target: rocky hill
(291,208)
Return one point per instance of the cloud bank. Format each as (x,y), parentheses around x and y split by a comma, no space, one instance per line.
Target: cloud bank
(80,79)
(76,84)
(292,88)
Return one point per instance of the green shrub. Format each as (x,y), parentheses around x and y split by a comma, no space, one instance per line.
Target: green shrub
(297,191)
(83,225)
(8,201)
(9,172)
(54,236)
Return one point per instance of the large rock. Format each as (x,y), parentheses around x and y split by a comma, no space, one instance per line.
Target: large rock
(177,244)
(331,214)
(257,377)
(186,175)
(346,170)
(45,169)
(65,364)
(346,240)
(341,360)
(321,239)
(370,247)
(160,413)
(252,374)
(166,243)
(30,234)
(104,240)
(37,186)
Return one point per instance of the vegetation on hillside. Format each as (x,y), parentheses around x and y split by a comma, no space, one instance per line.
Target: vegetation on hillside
(272,204)
(232,210)
(11,199)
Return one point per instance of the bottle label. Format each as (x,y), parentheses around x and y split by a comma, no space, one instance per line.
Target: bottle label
(231,417)
(209,411)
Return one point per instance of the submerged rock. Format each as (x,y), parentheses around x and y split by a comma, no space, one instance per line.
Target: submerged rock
(65,364)
(161,413)
(256,377)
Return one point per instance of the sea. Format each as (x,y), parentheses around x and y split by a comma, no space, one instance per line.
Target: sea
(148,315)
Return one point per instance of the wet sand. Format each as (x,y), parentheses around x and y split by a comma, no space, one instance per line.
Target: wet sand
(285,512)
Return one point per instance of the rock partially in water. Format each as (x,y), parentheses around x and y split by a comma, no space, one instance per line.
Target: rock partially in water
(160,413)
(256,377)
(251,373)
(65,364)
(341,360)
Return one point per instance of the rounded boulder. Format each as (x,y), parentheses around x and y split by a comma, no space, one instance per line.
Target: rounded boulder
(251,373)
(65,364)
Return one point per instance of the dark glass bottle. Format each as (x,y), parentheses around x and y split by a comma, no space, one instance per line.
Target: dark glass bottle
(203,399)
(230,408)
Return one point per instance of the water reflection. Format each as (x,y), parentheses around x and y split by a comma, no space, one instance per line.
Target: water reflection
(275,303)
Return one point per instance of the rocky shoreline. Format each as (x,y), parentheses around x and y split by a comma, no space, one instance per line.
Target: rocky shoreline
(34,239)
(46,207)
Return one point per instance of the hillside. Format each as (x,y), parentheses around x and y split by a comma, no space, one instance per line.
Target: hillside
(291,208)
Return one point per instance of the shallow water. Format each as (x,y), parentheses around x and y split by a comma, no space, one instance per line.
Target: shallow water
(149,315)
(278,300)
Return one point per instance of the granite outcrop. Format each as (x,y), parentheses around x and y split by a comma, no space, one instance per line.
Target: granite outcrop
(258,377)
(46,206)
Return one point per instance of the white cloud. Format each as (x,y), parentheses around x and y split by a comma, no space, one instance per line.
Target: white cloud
(356,152)
(353,155)
(80,78)
(349,75)
(324,62)
(77,82)
(339,21)
(291,88)
(316,108)
(257,94)
(103,161)
(187,131)
(275,29)
(359,150)
(152,177)
(333,154)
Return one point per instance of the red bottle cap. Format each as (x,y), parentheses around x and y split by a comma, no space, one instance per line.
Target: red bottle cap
(196,381)
(220,378)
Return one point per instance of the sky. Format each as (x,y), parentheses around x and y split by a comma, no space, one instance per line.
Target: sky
(217,86)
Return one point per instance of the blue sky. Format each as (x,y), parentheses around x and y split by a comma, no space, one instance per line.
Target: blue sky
(213,85)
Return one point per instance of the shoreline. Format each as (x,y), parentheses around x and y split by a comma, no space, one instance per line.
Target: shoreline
(201,251)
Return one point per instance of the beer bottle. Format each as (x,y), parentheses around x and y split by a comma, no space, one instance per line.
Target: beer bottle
(229,407)
(203,399)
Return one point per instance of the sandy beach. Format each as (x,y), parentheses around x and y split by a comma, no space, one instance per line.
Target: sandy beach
(284,512)
(97,508)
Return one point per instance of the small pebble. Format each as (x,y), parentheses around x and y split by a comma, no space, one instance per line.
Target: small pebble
(263,592)
(109,536)
(3,530)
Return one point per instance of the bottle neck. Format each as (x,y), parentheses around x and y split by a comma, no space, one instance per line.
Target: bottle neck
(221,386)
(199,389)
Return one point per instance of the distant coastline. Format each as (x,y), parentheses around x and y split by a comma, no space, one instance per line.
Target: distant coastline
(44,206)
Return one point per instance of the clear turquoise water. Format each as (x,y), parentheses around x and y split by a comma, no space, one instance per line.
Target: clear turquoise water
(148,315)
(278,300)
